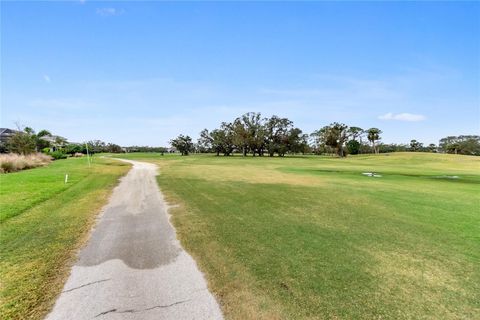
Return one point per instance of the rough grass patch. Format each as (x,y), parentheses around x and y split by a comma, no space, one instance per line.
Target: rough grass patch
(312,238)
(44,222)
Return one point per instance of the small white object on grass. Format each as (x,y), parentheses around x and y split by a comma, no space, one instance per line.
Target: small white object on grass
(372,174)
(66,178)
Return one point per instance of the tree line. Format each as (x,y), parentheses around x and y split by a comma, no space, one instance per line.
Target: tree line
(26,141)
(249,134)
(464,144)
(253,134)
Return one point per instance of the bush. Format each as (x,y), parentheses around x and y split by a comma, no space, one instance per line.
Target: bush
(57,155)
(353,147)
(74,148)
(14,162)
(7,167)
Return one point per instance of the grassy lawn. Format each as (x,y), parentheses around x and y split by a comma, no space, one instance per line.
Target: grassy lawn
(313,238)
(43,222)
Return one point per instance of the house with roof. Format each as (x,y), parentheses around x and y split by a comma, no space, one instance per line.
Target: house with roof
(6,134)
(54,140)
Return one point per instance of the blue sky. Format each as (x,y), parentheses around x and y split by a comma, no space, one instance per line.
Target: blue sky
(144,72)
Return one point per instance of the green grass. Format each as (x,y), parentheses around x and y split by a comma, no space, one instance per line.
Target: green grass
(43,222)
(312,238)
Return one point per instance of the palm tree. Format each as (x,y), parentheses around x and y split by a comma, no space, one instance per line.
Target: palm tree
(373,135)
(60,141)
(43,133)
(356,132)
(40,142)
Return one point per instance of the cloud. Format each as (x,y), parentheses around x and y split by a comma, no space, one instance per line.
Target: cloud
(47,79)
(108,12)
(402,117)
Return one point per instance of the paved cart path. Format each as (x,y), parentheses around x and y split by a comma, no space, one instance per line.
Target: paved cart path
(133,267)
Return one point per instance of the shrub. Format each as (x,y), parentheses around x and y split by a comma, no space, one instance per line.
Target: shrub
(74,148)
(353,147)
(57,155)
(7,167)
(14,162)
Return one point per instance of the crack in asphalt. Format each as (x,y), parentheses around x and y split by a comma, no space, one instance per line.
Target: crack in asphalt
(140,310)
(87,284)
(105,312)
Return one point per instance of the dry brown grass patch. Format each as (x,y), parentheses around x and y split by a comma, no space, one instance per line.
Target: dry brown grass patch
(413,276)
(13,162)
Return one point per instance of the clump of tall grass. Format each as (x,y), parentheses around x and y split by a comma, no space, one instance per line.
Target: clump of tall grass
(13,162)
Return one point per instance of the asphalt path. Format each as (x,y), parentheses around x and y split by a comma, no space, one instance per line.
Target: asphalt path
(133,267)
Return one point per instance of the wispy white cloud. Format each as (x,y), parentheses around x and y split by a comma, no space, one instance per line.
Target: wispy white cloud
(47,79)
(108,12)
(411,117)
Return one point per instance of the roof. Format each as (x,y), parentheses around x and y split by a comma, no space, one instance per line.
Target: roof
(7,131)
(51,138)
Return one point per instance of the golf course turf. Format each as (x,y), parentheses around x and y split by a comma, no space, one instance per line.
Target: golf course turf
(43,222)
(298,237)
(314,238)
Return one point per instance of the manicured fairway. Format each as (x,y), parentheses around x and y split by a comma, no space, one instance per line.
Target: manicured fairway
(43,221)
(313,238)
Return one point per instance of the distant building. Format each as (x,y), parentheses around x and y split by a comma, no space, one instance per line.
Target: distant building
(6,134)
(55,140)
